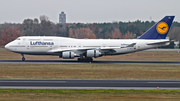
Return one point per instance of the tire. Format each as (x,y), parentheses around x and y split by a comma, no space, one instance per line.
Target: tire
(89,59)
(23,59)
(79,59)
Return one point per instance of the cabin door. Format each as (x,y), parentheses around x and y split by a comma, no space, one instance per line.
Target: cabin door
(26,42)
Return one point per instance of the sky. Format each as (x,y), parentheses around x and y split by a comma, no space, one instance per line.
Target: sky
(88,11)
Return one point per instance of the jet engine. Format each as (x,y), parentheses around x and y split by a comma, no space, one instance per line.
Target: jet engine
(68,55)
(93,53)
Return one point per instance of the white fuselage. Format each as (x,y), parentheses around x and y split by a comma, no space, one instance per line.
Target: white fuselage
(49,45)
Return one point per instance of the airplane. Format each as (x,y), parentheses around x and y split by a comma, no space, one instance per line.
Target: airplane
(87,49)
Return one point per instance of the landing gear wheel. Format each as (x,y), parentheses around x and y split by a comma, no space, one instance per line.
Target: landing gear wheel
(85,59)
(90,59)
(23,59)
(79,59)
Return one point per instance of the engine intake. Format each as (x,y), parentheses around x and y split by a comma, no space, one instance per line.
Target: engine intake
(68,55)
(93,53)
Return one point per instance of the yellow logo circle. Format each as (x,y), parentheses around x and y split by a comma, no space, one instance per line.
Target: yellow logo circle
(162,27)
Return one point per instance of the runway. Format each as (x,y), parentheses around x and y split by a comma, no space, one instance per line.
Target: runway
(88,84)
(94,62)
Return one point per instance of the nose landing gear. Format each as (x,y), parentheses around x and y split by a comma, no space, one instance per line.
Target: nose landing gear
(23,59)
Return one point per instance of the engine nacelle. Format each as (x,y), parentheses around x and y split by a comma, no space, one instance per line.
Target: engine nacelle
(93,53)
(68,55)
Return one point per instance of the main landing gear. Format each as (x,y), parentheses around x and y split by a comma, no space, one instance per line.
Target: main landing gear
(23,59)
(85,59)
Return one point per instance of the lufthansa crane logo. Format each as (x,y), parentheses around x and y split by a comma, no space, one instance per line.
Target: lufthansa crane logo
(162,27)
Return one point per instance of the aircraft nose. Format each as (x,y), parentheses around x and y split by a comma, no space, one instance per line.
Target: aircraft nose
(7,46)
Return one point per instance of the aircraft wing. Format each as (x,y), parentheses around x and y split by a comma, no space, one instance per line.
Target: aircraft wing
(62,50)
(102,49)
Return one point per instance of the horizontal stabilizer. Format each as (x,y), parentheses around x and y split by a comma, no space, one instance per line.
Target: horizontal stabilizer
(157,43)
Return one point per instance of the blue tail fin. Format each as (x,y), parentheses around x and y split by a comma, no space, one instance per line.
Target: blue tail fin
(159,30)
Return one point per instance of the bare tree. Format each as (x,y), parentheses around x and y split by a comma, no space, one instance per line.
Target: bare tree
(174,33)
(44,17)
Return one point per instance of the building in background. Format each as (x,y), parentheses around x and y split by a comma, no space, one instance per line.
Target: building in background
(62,18)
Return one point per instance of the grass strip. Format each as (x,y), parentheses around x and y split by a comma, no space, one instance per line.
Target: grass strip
(89,95)
(89,91)
(89,71)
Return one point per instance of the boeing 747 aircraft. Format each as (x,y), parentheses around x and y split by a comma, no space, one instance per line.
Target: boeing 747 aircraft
(86,49)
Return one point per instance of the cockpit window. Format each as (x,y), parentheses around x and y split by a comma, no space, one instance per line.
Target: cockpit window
(18,39)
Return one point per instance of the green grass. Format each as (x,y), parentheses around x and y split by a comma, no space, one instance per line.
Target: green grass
(89,71)
(62,91)
(88,95)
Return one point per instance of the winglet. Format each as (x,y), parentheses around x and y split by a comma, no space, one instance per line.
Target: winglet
(159,30)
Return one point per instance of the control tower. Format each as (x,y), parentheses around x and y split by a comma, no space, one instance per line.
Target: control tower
(62,18)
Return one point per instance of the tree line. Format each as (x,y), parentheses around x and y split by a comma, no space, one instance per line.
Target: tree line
(115,30)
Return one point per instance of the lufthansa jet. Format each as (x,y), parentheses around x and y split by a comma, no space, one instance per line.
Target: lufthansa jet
(87,49)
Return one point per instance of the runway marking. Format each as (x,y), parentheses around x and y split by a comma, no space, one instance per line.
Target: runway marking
(164,82)
(119,82)
(38,81)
